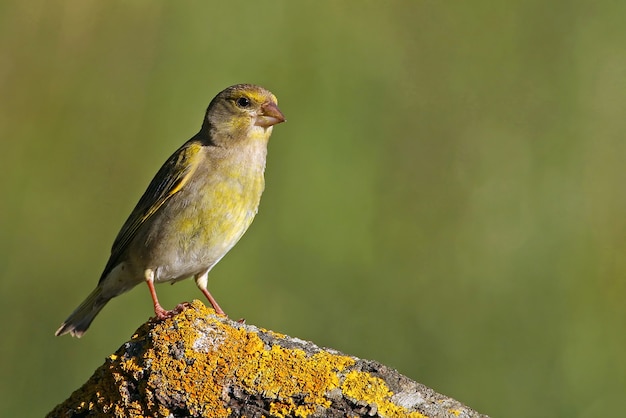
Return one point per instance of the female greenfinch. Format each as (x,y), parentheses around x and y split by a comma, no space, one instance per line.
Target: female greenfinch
(196,208)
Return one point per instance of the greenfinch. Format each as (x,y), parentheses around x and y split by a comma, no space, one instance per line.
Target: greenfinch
(196,208)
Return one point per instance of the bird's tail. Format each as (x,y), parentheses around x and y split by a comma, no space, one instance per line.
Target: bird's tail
(78,322)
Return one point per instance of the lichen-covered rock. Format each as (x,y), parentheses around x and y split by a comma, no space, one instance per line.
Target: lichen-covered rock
(197,364)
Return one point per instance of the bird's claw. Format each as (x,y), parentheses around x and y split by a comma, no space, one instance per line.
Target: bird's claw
(162,314)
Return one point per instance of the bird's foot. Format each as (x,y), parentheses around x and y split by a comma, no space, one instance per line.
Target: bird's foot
(181,307)
(162,314)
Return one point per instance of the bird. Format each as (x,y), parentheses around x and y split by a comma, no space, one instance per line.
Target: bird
(195,209)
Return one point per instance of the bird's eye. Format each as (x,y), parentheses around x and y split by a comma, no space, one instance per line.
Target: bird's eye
(243,102)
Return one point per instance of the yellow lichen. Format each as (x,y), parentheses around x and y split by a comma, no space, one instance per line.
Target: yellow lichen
(363,387)
(196,355)
(277,373)
(282,373)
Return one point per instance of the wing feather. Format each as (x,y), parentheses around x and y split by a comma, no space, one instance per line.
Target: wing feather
(168,181)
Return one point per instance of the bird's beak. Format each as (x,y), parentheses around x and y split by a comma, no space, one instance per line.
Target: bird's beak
(269,115)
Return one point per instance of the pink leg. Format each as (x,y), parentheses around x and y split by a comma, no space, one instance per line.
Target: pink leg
(201,281)
(158,309)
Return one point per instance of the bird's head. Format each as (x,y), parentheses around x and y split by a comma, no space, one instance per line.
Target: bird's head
(240,113)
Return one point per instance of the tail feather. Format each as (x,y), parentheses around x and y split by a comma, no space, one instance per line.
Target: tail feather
(78,322)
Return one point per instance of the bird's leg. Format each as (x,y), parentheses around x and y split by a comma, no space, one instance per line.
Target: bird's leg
(202,280)
(158,309)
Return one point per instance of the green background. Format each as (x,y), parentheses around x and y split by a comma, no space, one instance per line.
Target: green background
(447,196)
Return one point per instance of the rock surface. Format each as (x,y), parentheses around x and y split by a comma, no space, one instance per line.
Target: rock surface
(197,364)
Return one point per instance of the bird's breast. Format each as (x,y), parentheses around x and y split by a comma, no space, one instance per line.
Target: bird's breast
(204,220)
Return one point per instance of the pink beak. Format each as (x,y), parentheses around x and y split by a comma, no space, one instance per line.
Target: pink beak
(270,115)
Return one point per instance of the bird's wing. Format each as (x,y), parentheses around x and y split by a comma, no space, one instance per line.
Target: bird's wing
(168,181)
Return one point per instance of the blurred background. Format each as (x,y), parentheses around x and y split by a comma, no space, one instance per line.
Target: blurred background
(447,196)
